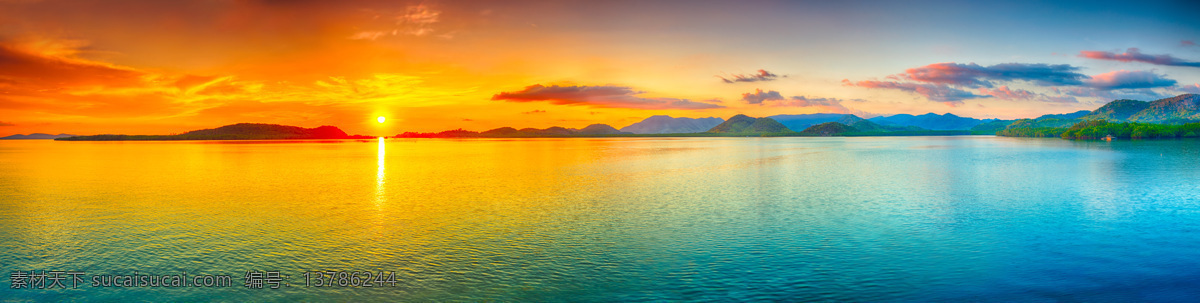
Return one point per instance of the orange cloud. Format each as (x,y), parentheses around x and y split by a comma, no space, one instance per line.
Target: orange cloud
(47,64)
(598,96)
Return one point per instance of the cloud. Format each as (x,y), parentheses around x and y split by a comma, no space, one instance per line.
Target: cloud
(1194,88)
(935,92)
(824,104)
(1186,43)
(367,35)
(536,111)
(55,63)
(2,123)
(419,19)
(1123,79)
(1133,54)
(1005,93)
(762,75)
(1105,95)
(416,20)
(804,101)
(758,96)
(973,75)
(598,96)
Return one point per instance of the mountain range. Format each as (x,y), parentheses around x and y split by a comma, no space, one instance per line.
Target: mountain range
(35,136)
(930,121)
(661,124)
(1175,110)
(509,132)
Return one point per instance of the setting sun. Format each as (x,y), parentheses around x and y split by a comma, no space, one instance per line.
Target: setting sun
(381,119)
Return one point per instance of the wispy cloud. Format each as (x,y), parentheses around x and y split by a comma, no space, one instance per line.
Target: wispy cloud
(802,101)
(761,75)
(1186,43)
(1105,95)
(598,96)
(936,92)
(758,96)
(1194,88)
(1134,55)
(2,123)
(823,104)
(47,61)
(419,19)
(367,35)
(536,111)
(416,20)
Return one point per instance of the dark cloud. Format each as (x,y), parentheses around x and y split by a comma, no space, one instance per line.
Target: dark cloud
(597,96)
(935,92)
(758,96)
(973,75)
(1133,54)
(762,75)
(1123,79)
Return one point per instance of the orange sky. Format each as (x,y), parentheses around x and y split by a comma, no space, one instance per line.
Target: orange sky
(160,67)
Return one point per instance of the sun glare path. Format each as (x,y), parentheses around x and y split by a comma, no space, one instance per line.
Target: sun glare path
(380,174)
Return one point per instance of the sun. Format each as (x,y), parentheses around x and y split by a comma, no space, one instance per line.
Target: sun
(381,119)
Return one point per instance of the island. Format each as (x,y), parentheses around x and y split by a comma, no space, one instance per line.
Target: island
(35,136)
(240,131)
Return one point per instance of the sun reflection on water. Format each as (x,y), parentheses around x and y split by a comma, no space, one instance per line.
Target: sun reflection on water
(380,174)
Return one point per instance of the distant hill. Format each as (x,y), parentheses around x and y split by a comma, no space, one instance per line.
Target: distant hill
(991,127)
(803,121)
(864,125)
(742,124)
(828,129)
(929,121)
(35,136)
(1170,110)
(499,132)
(661,124)
(240,131)
(600,129)
(1117,110)
(1174,110)
(1067,116)
(509,132)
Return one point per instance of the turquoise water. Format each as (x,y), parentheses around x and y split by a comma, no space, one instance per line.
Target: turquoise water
(619,219)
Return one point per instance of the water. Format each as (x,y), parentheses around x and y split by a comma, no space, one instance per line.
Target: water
(620,219)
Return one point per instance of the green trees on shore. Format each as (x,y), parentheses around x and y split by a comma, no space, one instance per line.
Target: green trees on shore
(1099,129)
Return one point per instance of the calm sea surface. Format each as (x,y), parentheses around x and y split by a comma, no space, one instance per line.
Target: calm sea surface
(621,219)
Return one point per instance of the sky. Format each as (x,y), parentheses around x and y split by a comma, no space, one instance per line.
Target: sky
(161,67)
